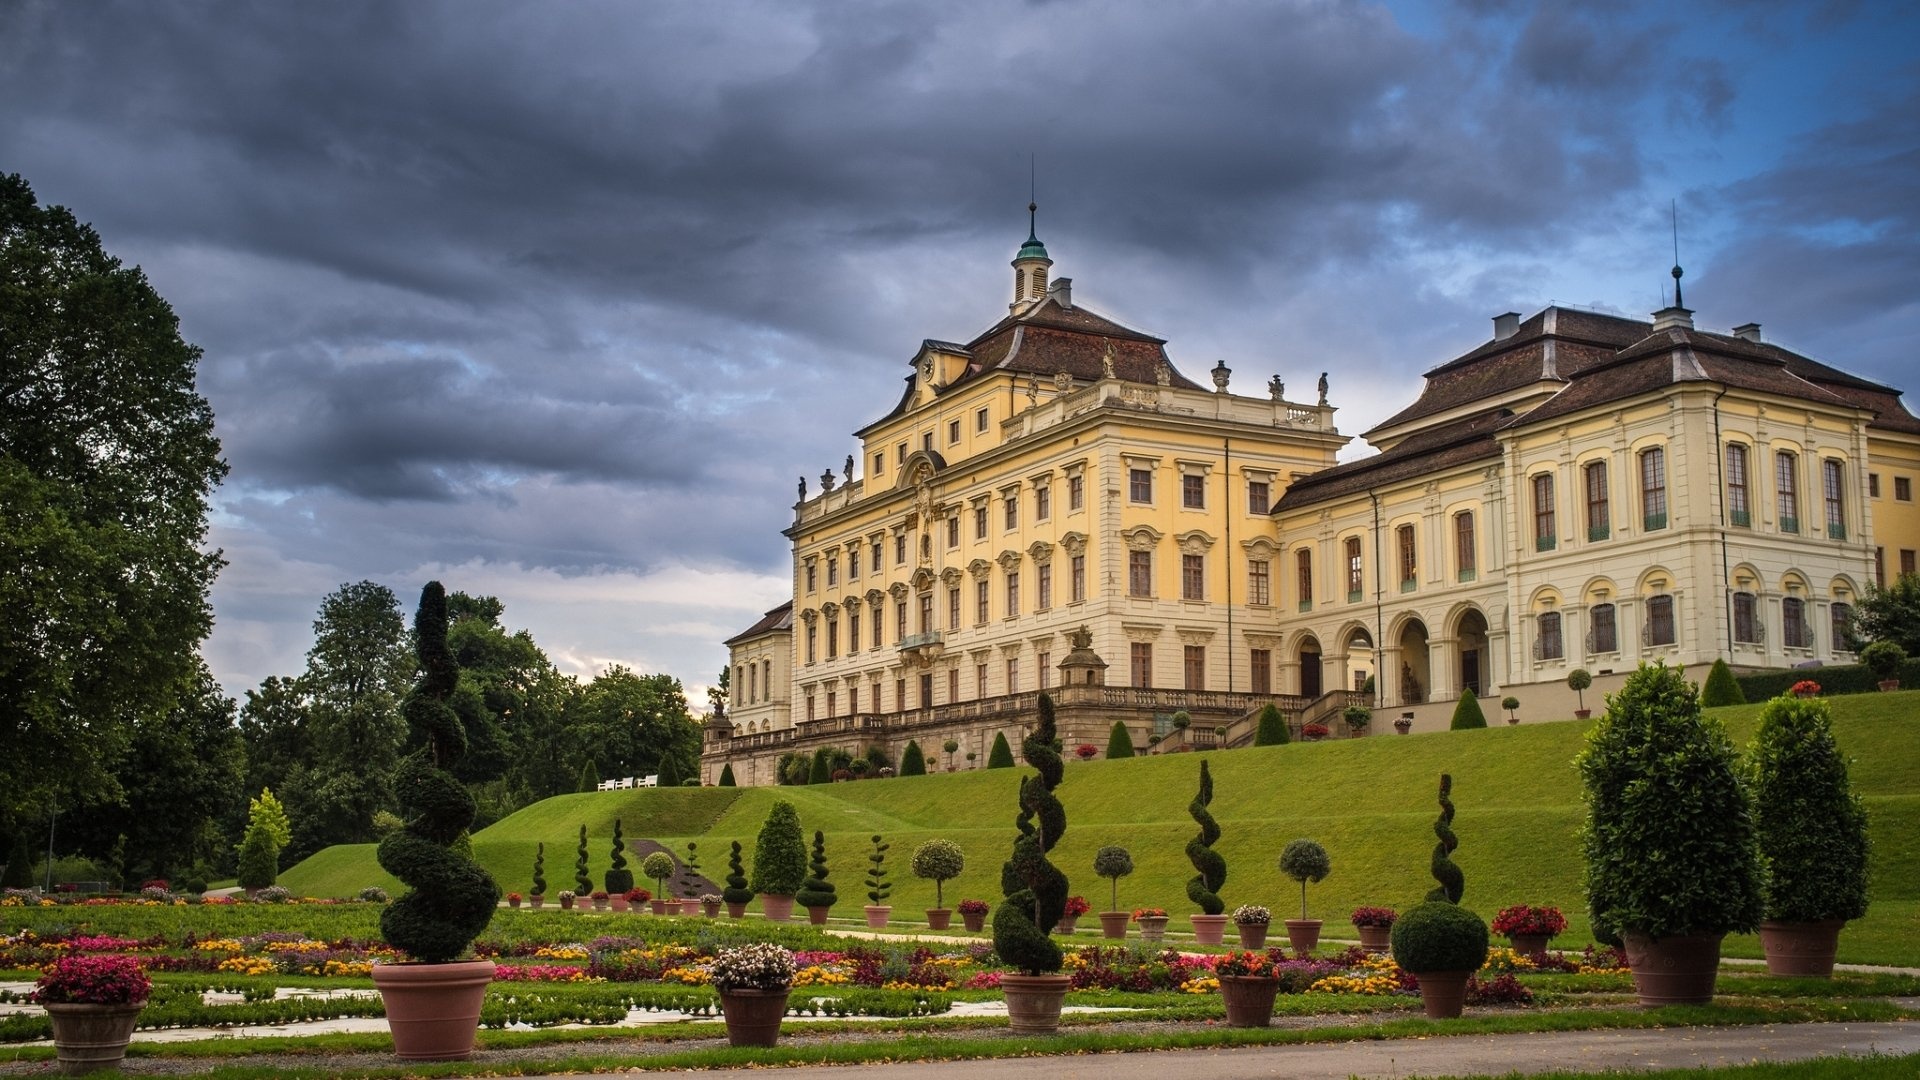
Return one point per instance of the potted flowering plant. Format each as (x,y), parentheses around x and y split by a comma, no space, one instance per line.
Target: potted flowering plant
(710,904)
(1076,907)
(973,914)
(93,1002)
(753,982)
(1375,924)
(1248,984)
(1086,751)
(1404,724)
(1529,928)
(600,899)
(1153,922)
(1314,732)
(1252,920)
(513,900)
(566,899)
(637,896)
(1806,688)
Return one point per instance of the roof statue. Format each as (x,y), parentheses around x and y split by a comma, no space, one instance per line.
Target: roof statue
(1277,389)
(1323,388)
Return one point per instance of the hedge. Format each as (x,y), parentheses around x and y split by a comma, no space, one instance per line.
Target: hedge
(1838,679)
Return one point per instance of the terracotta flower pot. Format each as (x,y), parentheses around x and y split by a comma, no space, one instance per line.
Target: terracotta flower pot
(1403,726)
(1887,686)
(753,1016)
(1209,929)
(690,906)
(776,908)
(1253,935)
(1676,970)
(513,902)
(939,918)
(817,916)
(600,903)
(1113,924)
(619,902)
(566,903)
(536,900)
(736,910)
(1303,935)
(1152,927)
(1533,945)
(1249,999)
(1033,1002)
(1374,939)
(1582,714)
(1443,993)
(660,907)
(877,915)
(1066,924)
(89,1037)
(1804,949)
(972,921)
(433,1010)
(710,908)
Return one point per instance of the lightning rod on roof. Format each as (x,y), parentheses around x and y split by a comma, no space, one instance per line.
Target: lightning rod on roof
(1673,210)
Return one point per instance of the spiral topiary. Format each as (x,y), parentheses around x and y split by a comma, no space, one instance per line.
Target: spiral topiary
(817,891)
(540,869)
(1035,889)
(736,891)
(1452,882)
(449,898)
(583,881)
(1204,888)
(619,878)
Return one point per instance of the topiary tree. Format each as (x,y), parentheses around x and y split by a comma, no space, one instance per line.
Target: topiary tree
(669,774)
(582,881)
(1113,862)
(1304,861)
(1467,714)
(938,861)
(1272,727)
(690,871)
(878,889)
(1453,883)
(1119,741)
(1669,837)
(1512,705)
(540,869)
(726,775)
(1182,720)
(19,874)
(619,879)
(1357,717)
(589,777)
(822,769)
(259,860)
(272,816)
(1438,936)
(950,746)
(449,899)
(736,891)
(817,891)
(1204,887)
(1001,756)
(912,761)
(659,867)
(1721,688)
(1884,658)
(1577,681)
(1810,825)
(780,853)
(1035,889)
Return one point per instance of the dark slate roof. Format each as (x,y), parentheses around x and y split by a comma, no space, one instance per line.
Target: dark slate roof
(1427,452)
(780,618)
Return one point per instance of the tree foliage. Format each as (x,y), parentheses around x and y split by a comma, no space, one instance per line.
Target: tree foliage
(938,861)
(1305,861)
(1119,742)
(1272,729)
(780,853)
(1890,613)
(1113,862)
(1721,688)
(1035,889)
(1001,756)
(912,761)
(1204,887)
(1811,826)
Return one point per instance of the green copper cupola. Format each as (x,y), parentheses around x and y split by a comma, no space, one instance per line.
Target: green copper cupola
(1030,265)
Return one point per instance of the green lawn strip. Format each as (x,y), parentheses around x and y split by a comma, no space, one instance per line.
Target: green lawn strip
(1872,1067)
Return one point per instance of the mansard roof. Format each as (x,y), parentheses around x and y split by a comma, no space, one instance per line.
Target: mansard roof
(780,618)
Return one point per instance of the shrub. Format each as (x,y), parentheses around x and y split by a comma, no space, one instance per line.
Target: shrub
(619,878)
(1524,919)
(273,894)
(583,882)
(1669,837)
(1721,688)
(1357,716)
(1204,887)
(1113,862)
(780,853)
(1373,916)
(736,891)
(878,889)
(1251,915)
(1577,681)
(1272,728)
(726,775)
(1453,883)
(949,747)
(1035,889)
(759,966)
(259,860)
(374,894)
(822,769)
(539,869)
(93,980)
(669,774)
(1467,714)
(1439,936)
(272,816)
(1119,741)
(912,761)
(1884,658)
(1304,861)
(1810,825)
(817,891)
(1511,704)
(938,861)
(658,867)
(589,776)
(1001,756)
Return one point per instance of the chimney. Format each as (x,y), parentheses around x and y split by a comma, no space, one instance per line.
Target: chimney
(1748,332)
(1505,326)
(1061,289)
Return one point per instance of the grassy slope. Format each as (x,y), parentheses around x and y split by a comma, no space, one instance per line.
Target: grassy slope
(1370,801)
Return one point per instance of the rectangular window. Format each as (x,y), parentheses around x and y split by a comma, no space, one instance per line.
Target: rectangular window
(900,620)
(900,694)
(926,611)
(853,629)
(1746,624)
(1739,507)
(980,521)
(1599,509)
(1077,578)
(876,553)
(876,639)
(900,547)
(1013,675)
(1042,502)
(1011,506)
(1840,627)
(1653,488)
(1786,488)
(813,640)
(1833,478)
(1551,645)
(1466,554)
(833,571)
(1196,667)
(1605,637)
(1193,492)
(1544,534)
(926,441)
(1906,561)
(1902,489)
(953,432)
(1794,632)
(1193,577)
(979,680)
(1660,626)
(1043,663)
(833,706)
(980,420)
(1260,670)
(1259,582)
(980,602)
(853,562)
(926,690)
(812,582)
(1880,567)
(1140,485)
(1043,586)
(1873,485)
(953,684)
(879,464)
(1013,593)
(1139,573)
(1076,492)
(953,608)
(833,638)
(853,701)
(809,706)
(1356,570)
(1258,499)
(1409,568)
(953,532)
(900,454)
(1303,574)
(1141,656)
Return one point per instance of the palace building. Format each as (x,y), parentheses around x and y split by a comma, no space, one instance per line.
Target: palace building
(1054,506)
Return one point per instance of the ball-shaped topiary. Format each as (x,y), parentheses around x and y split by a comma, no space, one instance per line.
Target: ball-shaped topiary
(1035,889)
(1466,713)
(780,853)
(1721,688)
(817,891)
(450,899)
(1204,887)
(1453,883)
(1272,729)
(659,867)
(1811,827)
(1304,861)
(1439,936)
(1577,681)
(1113,863)
(1884,658)
(938,861)
(736,891)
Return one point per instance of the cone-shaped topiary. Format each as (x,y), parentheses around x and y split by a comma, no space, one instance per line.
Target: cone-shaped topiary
(1453,883)
(669,775)
(1119,742)
(913,762)
(1721,688)
(1035,889)
(540,869)
(582,881)
(1203,888)
(822,771)
(449,899)
(1273,727)
(1669,836)
(736,891)
(817,891)
(589,777)
(1812,828)
(780,853)
(878,888)
(19,873)
(938,861)
(619,878)
(1467,714)
(726,775)
(1001,756)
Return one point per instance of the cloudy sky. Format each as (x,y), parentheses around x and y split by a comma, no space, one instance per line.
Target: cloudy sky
(555,301)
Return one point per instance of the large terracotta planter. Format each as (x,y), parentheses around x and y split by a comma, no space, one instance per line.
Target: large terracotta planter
(1531,945)
(536,900)
(939,918)
(1249,999)
(1033,1002)
(433,1010)
(877,915)
(566,903)
(710,908)
(817,916)
(736,910)
(600,903)
(776,908)
(1888,686)
(1066,924)
(1152,927)
(90,1037)
(1374,939)
(1801,948)
(513,902)
(690,906)
(663,907)
(1209,929)
(972,921)
(1676,970)
(1303,935)
(1113,924)
(619,901)
(1443,993)
(753,1016)
(1253,935)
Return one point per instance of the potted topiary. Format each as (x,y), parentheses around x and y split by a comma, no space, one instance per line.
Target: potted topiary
(1373,925)
(973,914)
(1304,861)
(1249,982)
(1884,658)
(1672,865)
(938,861)
(1210,926)
(1441,943)
(1036,891)
(950,746)
(93,1003)
(878,911)
(1357,718)
(753,982)
(736,895)
(1113,863)
(1252,920)
(690,878)
(1512,705)
(619,879)
(816,893)
(779,862)
(433,1001)
(538,894)
(1577,681)
(1529,929)
(658,866)
(1812,832)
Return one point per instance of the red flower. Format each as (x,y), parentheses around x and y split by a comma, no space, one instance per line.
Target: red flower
(93,980)
(1077,906)
(1521,919)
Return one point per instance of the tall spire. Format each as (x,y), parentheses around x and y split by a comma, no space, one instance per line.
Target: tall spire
(1674,315)
(1673,209)
(1030,263)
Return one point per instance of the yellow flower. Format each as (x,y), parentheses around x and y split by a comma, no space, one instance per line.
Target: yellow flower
(1200,984)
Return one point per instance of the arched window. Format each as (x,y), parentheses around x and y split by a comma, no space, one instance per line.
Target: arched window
(1661,629)
(1549,645)
(1794,633)
(1603,634)
(1746,625)
(1840,627)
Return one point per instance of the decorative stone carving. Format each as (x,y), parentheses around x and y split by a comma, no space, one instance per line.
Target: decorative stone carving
(1141,537)
(809,616)
(1276,389)
(1074,543)
(1009,559)
(1193,635)
(1270,642)
(830,609)
(1194,542)
(826,481)
(979,568)
(1141,632)
(1080,637)
(898,590)
(951,575)
(1323,388)
(875,598)
(1162,374)
(1260,547)
(1063,382)
(922,579)
(1106,364)
(1040,551)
